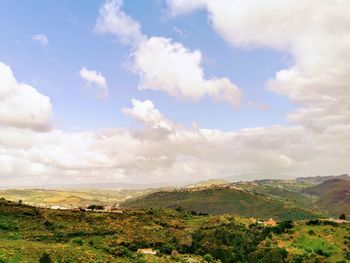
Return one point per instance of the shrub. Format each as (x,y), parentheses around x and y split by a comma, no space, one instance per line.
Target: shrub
(311,232)
(48,224)
(4,226)
(323,253)
(314,222)
(45,258)
(95,207)
(347,255)
(208,258)
(327,254)
(78,241)
(342,216)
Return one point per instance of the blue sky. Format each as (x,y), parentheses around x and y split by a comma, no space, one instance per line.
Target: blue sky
(163,91)
(73,44)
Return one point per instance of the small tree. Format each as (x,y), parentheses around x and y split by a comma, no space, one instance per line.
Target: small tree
(342,216)
(45,258)
(208,258)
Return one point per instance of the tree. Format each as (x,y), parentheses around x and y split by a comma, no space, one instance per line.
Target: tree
(342,216)
(45,258)
(208,258)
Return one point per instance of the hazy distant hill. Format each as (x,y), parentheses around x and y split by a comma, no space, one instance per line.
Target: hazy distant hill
(209,182)
(260,198)
(219,200)
(292,199)
(71,197)
(334,195)
(321,179)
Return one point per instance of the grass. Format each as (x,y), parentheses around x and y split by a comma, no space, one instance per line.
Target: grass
(314,239)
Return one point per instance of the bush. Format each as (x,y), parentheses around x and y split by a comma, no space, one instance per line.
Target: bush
(342,216)
(323,253)
(45,258)
(347,255)
(208,258)
(78,241)
(311,232)
(95,207)
(313,222)
(4,226)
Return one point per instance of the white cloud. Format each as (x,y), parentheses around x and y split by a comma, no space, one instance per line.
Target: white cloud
(315,33)
(145,113)
(169,66)
(21,105)
(162,64)
(96,79)
(177,7)
(315,141)
(113,20)
(41,39)
(162,151)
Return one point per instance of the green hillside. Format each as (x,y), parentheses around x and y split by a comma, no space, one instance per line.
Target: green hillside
(219,200)
(29,234)
(71,197)
(333,195)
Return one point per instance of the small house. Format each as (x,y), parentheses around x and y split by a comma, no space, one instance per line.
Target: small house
(148,251)
(270,222)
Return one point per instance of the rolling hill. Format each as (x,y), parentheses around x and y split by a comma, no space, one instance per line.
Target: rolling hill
(222,199)
(31,234)
(333,195)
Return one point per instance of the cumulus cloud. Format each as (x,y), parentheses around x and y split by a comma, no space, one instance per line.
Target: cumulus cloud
(96,79)
(315,33)
(177,7)
(316,140)
(41,39)
(162,64)
(113,20)
(163,151)
(21,105)
(145,113)
(169,66)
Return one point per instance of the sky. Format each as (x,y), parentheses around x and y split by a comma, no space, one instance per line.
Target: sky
(164,91)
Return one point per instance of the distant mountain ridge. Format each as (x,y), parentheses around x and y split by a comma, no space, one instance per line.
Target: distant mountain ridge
(300,198)
(281,199)
(321,179)
(333,195)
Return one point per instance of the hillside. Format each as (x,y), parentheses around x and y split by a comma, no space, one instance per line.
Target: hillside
(28,234)
(333,195)
(222,199)
(71,197)
(321,179)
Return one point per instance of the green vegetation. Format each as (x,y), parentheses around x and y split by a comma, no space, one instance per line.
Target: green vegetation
(71,197)
(29,234)
(221,200)
(333,195)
